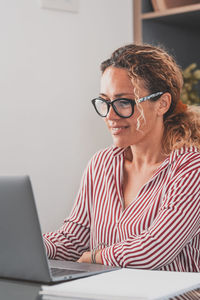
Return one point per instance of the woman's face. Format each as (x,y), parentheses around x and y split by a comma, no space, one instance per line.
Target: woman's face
(115,83)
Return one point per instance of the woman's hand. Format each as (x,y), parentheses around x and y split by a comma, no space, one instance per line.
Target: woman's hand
(87,257)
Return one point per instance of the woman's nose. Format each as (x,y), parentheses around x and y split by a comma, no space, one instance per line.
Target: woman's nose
(112,114)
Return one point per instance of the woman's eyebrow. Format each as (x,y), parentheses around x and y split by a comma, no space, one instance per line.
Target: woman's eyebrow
(117,95)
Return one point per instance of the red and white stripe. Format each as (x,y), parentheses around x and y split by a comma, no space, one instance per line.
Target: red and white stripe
(160,229)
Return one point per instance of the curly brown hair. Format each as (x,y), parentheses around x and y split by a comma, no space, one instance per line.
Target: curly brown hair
(160,72)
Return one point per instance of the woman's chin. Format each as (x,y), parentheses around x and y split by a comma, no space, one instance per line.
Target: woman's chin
(120,143)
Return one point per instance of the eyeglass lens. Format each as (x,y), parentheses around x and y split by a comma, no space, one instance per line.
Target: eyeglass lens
(123,107)
(101,107)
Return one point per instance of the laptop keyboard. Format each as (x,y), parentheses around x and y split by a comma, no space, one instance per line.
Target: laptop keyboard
(64,272)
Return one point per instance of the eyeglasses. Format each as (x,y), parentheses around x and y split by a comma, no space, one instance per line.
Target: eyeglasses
(123,107)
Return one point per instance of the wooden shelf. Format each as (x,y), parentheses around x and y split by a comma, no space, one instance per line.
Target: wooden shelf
(177,29)
(178,20)
(171,11)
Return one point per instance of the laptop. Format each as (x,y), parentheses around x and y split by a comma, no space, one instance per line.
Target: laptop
(22,251)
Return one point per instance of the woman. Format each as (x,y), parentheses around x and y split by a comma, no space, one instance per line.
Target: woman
(139,200)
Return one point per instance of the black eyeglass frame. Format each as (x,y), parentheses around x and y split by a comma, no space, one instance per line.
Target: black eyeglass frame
(132,102)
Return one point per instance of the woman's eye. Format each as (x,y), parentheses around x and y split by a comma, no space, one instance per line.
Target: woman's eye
(124,103)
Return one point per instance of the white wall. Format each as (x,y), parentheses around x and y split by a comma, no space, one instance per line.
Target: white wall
(49,71)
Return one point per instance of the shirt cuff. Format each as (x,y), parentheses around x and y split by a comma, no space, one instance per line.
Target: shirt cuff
(111,256)
(50,248)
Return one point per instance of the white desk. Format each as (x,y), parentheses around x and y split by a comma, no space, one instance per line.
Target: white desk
(127,284)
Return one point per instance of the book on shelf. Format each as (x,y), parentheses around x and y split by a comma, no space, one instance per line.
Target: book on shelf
(161,5)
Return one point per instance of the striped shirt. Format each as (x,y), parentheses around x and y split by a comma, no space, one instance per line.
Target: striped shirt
(160,229)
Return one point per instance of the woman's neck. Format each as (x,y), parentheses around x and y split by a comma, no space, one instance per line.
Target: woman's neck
(143,156)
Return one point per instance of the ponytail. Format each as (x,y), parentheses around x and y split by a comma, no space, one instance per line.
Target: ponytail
(182,128)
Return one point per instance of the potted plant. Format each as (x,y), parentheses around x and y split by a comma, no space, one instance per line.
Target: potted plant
(190,91)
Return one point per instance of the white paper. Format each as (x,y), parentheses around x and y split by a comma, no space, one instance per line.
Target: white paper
(127,284)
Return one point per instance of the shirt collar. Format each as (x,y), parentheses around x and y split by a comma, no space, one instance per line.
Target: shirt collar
(172,157)
(179,152)
(117,150)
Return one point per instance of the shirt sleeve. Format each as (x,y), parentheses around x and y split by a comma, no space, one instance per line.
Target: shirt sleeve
(72,239)
(177,222)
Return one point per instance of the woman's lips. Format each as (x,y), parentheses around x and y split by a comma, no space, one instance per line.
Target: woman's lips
(118,129)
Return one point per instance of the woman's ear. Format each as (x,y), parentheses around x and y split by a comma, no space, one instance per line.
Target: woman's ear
(164,104)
